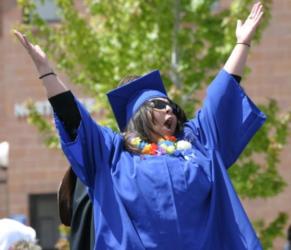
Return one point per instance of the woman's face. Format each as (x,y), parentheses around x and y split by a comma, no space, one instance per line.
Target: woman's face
(165,121)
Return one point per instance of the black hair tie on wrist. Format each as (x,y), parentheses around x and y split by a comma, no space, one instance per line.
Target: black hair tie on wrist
(47,74)
(247,44)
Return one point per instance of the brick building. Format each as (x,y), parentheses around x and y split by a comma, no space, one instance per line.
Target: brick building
(29,184)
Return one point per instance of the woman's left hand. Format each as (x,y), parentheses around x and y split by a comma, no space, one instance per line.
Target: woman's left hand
(246,30)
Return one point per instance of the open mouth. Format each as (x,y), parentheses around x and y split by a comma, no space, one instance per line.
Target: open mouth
(168,123)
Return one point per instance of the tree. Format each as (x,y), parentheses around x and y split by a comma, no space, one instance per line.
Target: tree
(188,40)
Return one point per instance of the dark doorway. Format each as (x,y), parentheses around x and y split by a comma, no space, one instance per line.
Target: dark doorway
(45,219)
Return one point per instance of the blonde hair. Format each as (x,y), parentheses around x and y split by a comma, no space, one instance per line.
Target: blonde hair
(25,245)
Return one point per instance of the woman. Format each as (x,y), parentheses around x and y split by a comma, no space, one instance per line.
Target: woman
(162,183)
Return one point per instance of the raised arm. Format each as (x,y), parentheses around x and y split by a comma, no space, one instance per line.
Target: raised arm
(51,82)
(244,34)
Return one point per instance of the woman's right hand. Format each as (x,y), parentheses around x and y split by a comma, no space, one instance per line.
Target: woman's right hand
(245,31)
(36,53)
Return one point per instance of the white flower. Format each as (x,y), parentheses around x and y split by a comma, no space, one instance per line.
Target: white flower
(182,145)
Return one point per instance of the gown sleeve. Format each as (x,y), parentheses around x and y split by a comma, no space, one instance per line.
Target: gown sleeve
(61,103)
(91,147)
(227,120)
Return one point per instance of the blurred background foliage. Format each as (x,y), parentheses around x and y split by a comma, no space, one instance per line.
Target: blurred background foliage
(98,43)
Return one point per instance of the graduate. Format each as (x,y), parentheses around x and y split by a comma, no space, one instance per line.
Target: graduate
(162,182)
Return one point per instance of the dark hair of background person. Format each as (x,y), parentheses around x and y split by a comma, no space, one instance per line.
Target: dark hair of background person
(289,234)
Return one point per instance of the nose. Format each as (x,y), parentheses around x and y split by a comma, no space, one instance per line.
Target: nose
(169,108)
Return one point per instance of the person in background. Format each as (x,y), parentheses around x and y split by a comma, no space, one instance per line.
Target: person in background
(25,245)
(162,182)
(288,243)
(75,209)
(14,233)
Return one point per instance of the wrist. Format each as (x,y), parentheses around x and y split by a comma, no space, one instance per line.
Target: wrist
(44,69)
(244,44)
(47,74)
(247,41)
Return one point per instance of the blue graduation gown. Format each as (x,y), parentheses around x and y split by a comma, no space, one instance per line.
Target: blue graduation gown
(180,201)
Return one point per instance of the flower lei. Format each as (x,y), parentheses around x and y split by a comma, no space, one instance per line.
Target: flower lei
(167,145)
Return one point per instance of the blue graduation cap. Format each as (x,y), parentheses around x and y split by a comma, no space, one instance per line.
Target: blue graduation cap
(127,99)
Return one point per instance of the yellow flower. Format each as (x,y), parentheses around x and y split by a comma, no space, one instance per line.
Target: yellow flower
(135,141)
(170,149)
(146,149)
(163,146)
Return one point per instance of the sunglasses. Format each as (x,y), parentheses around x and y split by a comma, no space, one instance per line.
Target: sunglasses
(162,104)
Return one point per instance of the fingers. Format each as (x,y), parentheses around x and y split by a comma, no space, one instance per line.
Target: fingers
(22,39)
(259,12)
(257,6)
(259,17)
(256,10)
(27,43)
(19,37)
(253,11)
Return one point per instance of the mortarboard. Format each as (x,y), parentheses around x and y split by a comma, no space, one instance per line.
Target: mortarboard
(128,98)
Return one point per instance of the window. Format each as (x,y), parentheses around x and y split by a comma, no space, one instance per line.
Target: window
(215,5)
(47,10)
(45,218)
